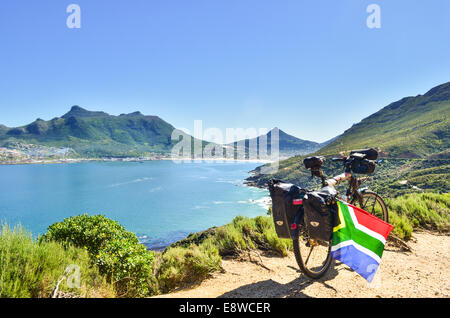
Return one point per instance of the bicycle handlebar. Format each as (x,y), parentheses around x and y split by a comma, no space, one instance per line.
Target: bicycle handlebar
(339,159)
(338,179)
(347,161)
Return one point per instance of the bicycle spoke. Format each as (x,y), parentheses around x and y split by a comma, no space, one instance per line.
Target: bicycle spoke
(373,206)
(376,208)
(364,205)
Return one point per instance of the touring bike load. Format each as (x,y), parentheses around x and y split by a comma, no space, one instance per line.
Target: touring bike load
(308,217)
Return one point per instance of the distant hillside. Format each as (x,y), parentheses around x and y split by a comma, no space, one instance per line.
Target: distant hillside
(413,127)
(323,144)
(3,129)
(95,134)
(412,134)
(289,146)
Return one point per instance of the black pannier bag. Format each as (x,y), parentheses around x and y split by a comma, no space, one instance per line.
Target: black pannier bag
(363,166)
(320,209)
(370,153)
(313,162)
(283,209)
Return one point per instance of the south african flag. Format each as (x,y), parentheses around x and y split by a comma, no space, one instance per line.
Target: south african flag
(359,239)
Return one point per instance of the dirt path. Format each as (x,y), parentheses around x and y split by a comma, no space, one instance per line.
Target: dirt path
(423,273)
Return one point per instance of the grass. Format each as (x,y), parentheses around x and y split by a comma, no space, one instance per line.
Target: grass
(425,210)
(191,260)
(242,234)
(181,266)
(114,250)
(32,269)
(118,255)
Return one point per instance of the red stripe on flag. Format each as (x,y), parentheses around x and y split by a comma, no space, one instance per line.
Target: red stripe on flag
(372,222)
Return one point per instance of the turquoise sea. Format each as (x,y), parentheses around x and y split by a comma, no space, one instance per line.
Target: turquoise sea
(160,201)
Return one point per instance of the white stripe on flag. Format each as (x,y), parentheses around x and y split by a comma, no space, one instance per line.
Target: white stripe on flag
(358,247)
(364,229)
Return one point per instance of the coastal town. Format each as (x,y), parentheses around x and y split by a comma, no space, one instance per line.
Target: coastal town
(19,153)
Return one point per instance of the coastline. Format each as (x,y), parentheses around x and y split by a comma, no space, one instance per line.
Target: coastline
(156,243)
(160,246)
(126,159)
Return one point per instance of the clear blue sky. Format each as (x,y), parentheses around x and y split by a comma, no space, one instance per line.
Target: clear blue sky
(312,68)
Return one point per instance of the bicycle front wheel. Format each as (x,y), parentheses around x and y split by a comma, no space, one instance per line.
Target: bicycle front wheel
(371,202)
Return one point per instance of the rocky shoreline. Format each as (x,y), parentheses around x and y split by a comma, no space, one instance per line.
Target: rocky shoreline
(254,181)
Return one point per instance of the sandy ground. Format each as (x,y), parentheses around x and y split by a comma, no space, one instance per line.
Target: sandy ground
(424,272)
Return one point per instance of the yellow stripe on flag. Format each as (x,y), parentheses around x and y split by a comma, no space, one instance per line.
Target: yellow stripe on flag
(341,219)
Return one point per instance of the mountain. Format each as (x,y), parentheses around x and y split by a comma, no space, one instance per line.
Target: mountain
(323,144)
(412,135)
(3,128)
(95,134)
(413,127)
(77,111)
(289,145)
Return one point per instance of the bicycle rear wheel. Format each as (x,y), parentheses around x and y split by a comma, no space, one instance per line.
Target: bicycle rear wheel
(313,256)
(371,202)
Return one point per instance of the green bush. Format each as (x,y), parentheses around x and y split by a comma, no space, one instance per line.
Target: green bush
(241,234)
(32,269)
(230,241)
(117,252)
(191,260)
(181,266)
(403,227)
(426,210)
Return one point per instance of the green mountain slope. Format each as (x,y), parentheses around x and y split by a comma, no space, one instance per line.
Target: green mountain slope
(413,127)
(95,134)
(412,136)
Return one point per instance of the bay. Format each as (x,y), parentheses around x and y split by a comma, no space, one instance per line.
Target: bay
(160,201)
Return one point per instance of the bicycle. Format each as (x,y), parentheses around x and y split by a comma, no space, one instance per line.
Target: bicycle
(316,265)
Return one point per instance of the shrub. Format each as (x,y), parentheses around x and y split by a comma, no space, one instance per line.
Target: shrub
(426,210)
(229,240)
(181,266)
(241,234)
(403,227)
(32,269)
(191,260)
(117,252)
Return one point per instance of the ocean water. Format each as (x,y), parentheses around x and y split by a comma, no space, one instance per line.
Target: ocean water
(160,201)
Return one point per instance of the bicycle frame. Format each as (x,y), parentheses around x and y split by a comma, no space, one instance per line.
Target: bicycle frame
(354,183)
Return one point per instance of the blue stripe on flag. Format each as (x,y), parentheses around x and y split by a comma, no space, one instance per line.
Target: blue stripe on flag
(360,262)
